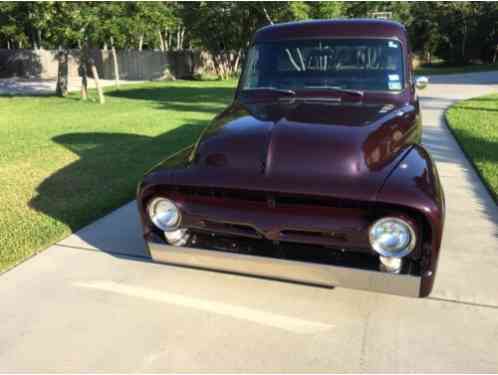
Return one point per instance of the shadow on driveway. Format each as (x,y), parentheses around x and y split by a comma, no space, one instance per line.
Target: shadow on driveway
(105,176)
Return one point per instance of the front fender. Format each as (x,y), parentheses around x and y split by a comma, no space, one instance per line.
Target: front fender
(415,184)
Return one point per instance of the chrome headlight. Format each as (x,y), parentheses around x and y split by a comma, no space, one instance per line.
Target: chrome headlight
(392,237)
(164,214)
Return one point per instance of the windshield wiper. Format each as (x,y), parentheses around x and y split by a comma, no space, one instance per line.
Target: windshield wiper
(339,89)
(273,89)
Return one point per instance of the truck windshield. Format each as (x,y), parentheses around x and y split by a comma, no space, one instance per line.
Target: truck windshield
(355,64)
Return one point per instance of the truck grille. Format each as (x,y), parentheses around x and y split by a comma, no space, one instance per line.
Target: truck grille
(271,199)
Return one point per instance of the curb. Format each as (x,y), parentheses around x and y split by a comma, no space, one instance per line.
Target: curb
(447,122)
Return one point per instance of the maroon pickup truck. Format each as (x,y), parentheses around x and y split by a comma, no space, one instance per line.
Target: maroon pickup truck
(314,173)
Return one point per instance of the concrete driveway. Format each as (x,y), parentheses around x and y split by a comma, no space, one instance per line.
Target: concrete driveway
(94,303)
(21,86)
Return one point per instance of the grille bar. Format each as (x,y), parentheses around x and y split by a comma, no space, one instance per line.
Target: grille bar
(272,199)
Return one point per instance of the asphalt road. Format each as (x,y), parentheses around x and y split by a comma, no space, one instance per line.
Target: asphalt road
(92,303)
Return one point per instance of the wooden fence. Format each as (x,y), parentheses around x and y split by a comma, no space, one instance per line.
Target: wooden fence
(133,64)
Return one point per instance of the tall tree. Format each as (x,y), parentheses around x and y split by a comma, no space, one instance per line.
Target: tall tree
(225,28)
(423,29)
(11,27)
(107,27)
(64,28)
(327,9)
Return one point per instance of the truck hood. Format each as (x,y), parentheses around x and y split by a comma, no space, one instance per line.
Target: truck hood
(313,146)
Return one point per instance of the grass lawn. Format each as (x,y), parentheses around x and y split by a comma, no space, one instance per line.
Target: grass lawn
(475,125)
(441,68)
(65,163)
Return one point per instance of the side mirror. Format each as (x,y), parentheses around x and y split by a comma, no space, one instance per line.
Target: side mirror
(421,82)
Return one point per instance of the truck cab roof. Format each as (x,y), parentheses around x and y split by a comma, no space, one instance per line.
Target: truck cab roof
(337,28)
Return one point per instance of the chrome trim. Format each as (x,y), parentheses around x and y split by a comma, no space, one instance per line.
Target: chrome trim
(421,82)
(386,266)
(282,269)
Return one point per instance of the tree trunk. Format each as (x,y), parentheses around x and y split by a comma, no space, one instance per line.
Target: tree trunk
(84,78)
(464,42)
(84,88)
(140,42)
(95,75)
(115,62)
(62,73)
(161,41)
(182,37)
(82,71)
(39,37)
(178,39)
(35,42)
(8,44)
(167,45)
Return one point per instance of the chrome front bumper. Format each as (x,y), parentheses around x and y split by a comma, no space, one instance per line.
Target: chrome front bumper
(282,269)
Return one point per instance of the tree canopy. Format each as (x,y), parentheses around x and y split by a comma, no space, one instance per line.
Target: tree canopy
(458,32)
